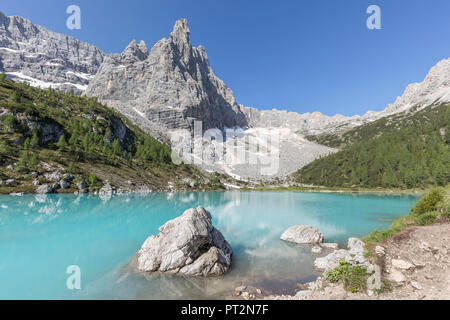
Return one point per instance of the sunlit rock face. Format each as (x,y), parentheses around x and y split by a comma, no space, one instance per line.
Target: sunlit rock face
(43,58)
(170,87)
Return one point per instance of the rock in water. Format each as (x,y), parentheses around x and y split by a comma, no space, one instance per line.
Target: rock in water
(188,245)
(302,235)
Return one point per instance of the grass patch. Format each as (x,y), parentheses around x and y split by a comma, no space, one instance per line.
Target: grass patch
(354,278)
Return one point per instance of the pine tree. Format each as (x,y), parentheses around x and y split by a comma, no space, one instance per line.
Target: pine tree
(117,149)
(27,144)
(34,143)
(61,144)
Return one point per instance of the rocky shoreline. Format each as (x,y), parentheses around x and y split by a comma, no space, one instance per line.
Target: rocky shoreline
(413,265)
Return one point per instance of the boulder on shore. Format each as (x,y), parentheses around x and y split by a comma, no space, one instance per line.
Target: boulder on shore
(44,189)
(354,255)
(302,235)
(187,245)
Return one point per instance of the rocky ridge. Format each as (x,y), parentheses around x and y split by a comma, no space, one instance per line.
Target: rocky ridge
(43,58)
(173,85)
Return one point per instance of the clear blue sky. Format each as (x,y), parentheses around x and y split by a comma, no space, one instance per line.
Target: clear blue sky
(299,55)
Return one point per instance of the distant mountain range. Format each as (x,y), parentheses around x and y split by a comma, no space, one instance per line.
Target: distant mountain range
(173,85)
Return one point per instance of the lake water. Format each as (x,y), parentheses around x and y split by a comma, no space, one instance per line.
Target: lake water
(40,236)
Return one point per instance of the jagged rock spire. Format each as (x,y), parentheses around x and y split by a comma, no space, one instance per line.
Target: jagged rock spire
(135,52)
(181,32)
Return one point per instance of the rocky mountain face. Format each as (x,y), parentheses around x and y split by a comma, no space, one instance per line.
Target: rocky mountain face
(434,89)
(44,58)
(171,86)
(308,123)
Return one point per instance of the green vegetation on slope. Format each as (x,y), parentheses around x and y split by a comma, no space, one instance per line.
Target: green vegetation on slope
(45,130)
(396,152)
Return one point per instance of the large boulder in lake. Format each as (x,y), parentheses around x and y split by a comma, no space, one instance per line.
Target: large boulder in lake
(302,235)
(188,245)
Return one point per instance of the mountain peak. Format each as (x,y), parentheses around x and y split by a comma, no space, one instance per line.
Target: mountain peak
(181,32)
(136,51)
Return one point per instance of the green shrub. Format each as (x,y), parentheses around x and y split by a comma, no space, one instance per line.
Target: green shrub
(429,202)
(427,218)
(92,179)
(386,286)
(9,122)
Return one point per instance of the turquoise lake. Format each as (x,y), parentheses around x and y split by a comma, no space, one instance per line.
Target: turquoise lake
(40,236)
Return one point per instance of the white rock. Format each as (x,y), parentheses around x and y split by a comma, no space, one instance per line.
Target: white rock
(396,276)
(331,261)
(44,189)
(425,246)
(402,264)
(303,294)
(316,250)
(302,235)
(416,285)
(55,176)
(188,245)
(380,251)
(332,246)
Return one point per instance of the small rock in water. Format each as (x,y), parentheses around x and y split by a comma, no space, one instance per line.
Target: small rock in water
(316,250)
(302,235)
